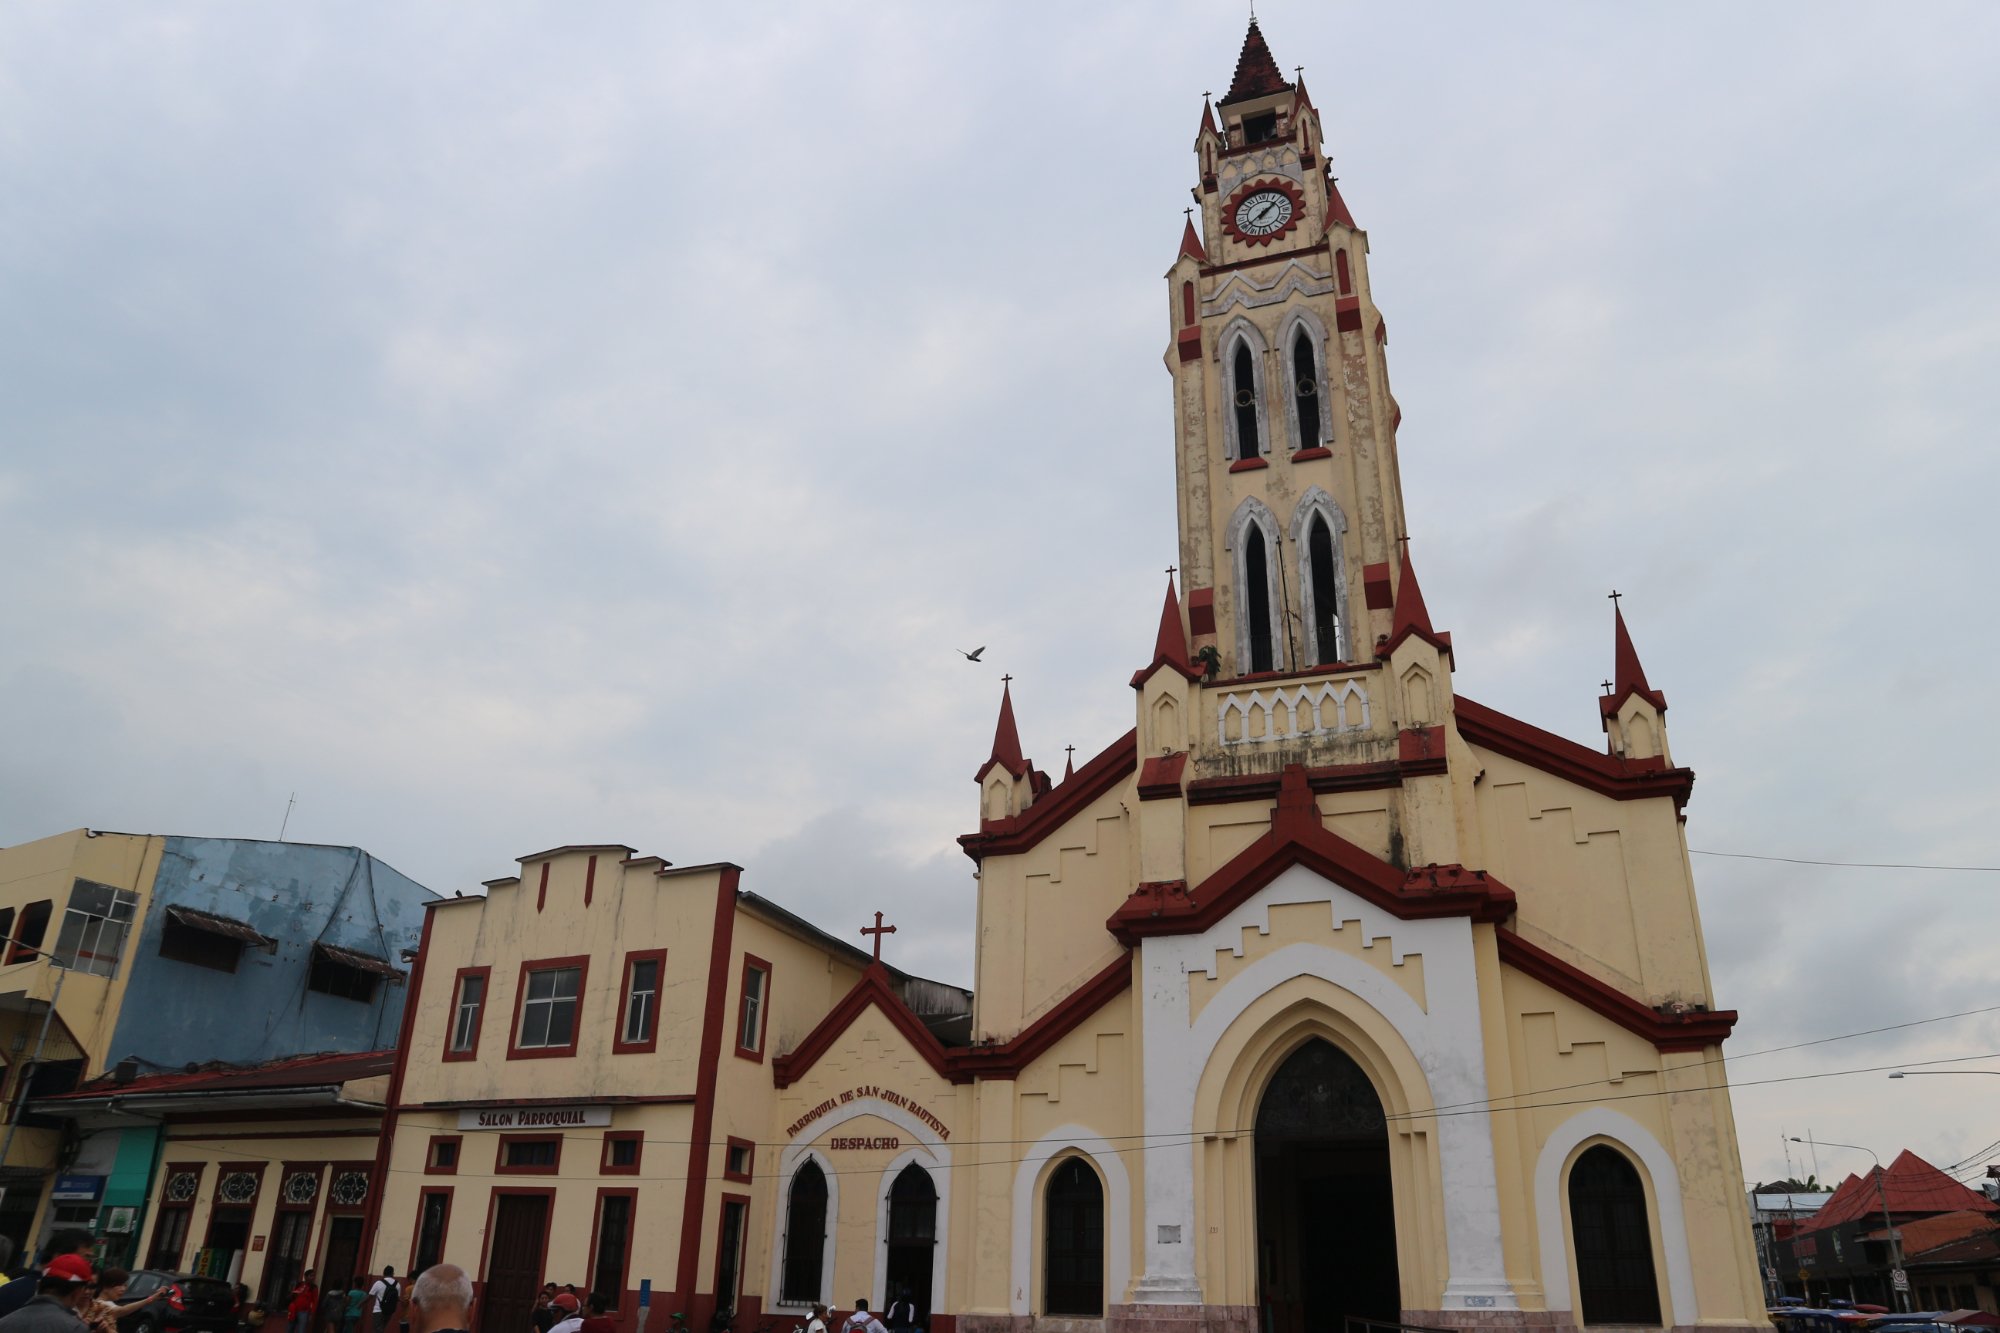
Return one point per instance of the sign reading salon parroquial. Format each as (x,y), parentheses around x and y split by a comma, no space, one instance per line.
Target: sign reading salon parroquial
(534,1117)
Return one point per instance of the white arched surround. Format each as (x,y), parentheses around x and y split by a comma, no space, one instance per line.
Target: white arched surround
(1025,1268)
(1254,521)
(928,1151)
(1240,331)
(1303,319)
(1663,1189)
(1317,501)
(1444,1036)
(788,1166)
(938,1172)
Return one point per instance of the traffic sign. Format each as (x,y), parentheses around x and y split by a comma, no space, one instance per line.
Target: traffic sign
(1899,1279)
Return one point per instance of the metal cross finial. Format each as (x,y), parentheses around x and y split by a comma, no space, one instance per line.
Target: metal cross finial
(1615,595)
(1606,684)
(1171,570)
(1005,679)
(1299,70)
(1070,750)
(878,930)
(1187,212)
(1206,94)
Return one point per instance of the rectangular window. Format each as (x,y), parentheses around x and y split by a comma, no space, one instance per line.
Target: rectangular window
(532,1154)
(31,931)
(468,1012)
(203,948)
(93,929)
(621,1153)
(330,976)
(433,1212)
(613,1246)
(639,1007)
(729,1252)
(442,1158)
(751,1013)
(737,1155)
(170,1238)
(550,990)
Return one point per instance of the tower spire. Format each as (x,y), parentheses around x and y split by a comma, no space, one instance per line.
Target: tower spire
(1257,72)
(1006,738)
(1410,616)
(1170,646)
(1628,677)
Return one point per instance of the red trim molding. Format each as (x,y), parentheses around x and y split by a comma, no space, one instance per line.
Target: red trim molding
(372,1218)
(1602,773)
(730,1145)
(694,1202)
(620,1046)
(1004,1060)
(1694,1030)
(1160,779)
(752,963)
(1003,837)
(485,974)
(431,1165)
(500,1167)
(515,1051)
(1250,464)
(1296,837)
(635,1137)
(1308,455)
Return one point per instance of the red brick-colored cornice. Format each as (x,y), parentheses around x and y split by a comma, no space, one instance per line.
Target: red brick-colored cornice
(1620,779)
(1001,837)
(1691,1031)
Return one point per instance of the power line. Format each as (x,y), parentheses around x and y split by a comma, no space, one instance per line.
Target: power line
(1851,865)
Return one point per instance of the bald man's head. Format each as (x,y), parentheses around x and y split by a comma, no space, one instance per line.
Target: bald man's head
(440,1299)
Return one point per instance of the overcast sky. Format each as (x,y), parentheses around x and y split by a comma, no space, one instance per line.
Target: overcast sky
(506,426)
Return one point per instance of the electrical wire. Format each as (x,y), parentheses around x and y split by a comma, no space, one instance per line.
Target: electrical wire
(1851,865)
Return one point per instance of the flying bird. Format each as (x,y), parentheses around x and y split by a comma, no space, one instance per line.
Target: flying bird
(972,656)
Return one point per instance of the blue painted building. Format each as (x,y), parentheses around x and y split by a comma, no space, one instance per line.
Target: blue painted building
(161,953)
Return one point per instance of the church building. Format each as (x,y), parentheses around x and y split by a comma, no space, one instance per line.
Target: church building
(1323,991)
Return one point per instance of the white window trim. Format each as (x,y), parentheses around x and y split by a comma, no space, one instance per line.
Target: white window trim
(1255,511)
(633,993)
(464,1018)
(1316,333)
(1242,331)
(1317,501)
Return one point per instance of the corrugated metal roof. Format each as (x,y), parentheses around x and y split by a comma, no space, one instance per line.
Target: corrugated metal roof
(1910,1187)
(225,926)
(381,967)
(302,1071)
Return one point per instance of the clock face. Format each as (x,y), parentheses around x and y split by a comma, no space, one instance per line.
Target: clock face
(1264,213)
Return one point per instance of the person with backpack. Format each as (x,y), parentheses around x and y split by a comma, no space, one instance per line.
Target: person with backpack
(902,1313)
(387,1296)
(861,1321)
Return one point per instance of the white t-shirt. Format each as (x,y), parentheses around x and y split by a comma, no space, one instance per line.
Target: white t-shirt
(382,1285)
(816,1325)
(861,1321)
(569,1325)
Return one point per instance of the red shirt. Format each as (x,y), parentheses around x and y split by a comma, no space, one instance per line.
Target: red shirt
(305,1297)
(599,1323)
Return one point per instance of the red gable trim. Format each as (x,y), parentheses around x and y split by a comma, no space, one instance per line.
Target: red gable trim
(875,989)
(1686,1032)
(1005,836)
(1005,1060)
(1296,838)
(1551,753)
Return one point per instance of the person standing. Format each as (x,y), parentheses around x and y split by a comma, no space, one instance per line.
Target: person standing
(304,1303)
(73,1241)
(386,1296)
(902,1313)
(817,1323)
(102,1312)
(569,1316)
(441,1300)
(600,1320)
(63,1285)
(355,1302)
(859,1322)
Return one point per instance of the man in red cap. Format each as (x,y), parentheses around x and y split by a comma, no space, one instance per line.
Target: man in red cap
(66,1282)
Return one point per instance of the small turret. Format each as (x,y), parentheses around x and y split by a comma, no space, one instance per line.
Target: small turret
(1634,713)
(1007,779)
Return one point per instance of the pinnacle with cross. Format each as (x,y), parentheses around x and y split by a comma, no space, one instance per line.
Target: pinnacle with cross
(1615,595)
(878,930)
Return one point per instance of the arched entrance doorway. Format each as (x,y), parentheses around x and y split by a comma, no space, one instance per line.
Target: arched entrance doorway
(1326,1224)
(1614,1244)
(912,1241)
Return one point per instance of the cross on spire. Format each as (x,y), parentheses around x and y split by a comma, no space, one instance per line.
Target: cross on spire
(1070,750)
(1615,595)
(1171,570)
(1606,684)
(878,930)
(1005,679)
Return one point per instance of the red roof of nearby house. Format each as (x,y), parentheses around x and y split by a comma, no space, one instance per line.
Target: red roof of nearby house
(1911,1187)
(1928,1233)
(300,1071)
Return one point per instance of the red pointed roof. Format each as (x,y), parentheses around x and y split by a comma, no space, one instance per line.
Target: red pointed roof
(1410,615)
(1911,1187)
(1336,207)
(1170,644)
(1191,246)
(1300,88)
(1257,73)
(1627,676)
(1006,741)
(1208,125)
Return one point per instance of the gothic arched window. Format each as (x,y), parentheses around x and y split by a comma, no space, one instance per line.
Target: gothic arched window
(1305,387)
(1323,569)
(1073,1242)
(1243,400)
(1613,1241)
(805,1236)
(1257,596)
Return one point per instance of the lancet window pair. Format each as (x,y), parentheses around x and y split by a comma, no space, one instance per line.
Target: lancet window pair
(1304,389)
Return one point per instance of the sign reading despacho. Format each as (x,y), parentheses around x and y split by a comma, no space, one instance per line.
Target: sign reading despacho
(895,1099)
(534,1117)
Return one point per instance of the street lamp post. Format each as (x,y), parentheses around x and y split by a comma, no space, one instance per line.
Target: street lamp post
(1888,1226)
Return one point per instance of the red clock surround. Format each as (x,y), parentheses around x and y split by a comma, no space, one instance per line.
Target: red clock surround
(1285,187)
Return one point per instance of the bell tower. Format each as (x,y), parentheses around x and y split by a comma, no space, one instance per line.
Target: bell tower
(1291,507)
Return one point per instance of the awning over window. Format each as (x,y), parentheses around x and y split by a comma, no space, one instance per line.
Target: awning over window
(227,927)
(363,962)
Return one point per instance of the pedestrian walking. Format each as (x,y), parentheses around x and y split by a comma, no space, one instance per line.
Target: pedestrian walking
(304,1303)
(817,1323)
(61,1288)
(861,1321)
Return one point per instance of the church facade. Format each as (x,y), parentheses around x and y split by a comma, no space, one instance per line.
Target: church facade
(1323,992)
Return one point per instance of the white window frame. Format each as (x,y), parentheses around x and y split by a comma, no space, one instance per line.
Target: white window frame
(548,1004)
(643,1002)
(465,1017)
(750,1012)
(86,952)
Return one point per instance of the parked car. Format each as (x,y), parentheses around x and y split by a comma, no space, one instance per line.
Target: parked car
(193,1304)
